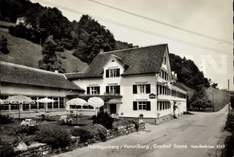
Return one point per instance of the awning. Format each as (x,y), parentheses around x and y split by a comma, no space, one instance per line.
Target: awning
(114,101)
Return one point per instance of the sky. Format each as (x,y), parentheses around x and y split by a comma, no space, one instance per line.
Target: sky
(213,18)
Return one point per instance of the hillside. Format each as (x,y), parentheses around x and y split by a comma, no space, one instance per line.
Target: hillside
(27,53)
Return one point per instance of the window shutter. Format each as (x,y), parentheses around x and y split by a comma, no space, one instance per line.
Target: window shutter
(98,90)
(148,106)
(107,89)
(134,89)
(107,73)
(88,90)
(117,89)
(134,105)
(118,72)
(148,88)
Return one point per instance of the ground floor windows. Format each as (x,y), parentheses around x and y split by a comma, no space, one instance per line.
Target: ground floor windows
(163,105)
(141,105)
(25,107)
(14,107)
(34,106)
(59,102)
(4,107)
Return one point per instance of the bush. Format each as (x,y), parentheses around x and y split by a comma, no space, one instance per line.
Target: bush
(84,134)
(29,130)
(57,137)
(5,119)
(104,119)
(3,45)
(99,131)
(6,150)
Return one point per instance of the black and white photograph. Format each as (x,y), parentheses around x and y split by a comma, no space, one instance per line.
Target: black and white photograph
(116,78)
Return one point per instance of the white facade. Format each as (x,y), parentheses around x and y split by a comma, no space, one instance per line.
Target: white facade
(132,104)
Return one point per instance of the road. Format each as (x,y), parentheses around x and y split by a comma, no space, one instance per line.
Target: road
(195,135)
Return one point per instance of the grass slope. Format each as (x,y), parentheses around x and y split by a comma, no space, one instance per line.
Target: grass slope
(27,53)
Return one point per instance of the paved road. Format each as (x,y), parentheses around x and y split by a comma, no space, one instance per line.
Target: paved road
(174,138)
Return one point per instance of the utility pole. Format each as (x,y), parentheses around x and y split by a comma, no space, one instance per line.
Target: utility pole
(229,104)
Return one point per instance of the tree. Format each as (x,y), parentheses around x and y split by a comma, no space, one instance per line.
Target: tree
(91,37)
(3,45)
(50,60)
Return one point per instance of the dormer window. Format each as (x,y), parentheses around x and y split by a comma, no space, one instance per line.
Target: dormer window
(164,75)
(113,72)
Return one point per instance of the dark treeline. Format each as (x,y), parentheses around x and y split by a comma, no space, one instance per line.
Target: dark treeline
(87,36)
(188,72)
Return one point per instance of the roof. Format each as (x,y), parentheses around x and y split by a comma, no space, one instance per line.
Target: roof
(20,74)
(143,60)
(182,86)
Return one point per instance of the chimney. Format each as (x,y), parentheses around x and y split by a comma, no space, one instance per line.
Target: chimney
(101,51)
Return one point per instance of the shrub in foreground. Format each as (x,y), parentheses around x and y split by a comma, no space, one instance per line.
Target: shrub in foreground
(5,119)
(84,134)
(57,137)
(29,130)
(6,150)
(104,119)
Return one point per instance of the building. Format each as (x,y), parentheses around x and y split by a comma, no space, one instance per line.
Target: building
(134,82)
(34,83)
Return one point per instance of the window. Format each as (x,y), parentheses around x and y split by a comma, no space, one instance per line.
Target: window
(4,107)
(163,105)
(41,106)
(141,88)
(25,107)
(112,73)
(34,106)
(56,103)
(163,90)
(93,90)
(61,101)
(115,89)
(141,105)
(164,75)
(14,106)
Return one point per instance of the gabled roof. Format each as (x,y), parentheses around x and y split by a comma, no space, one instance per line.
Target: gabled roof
(143,60)
(19,74)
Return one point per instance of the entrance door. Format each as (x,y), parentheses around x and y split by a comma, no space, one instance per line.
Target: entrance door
(112,108)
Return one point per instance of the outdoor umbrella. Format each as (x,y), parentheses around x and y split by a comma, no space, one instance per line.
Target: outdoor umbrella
(76,102)
(96,102)
(19,99)
(45,101)
(1,101)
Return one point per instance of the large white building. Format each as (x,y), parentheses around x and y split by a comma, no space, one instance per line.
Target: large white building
(133,82)
(20,80)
